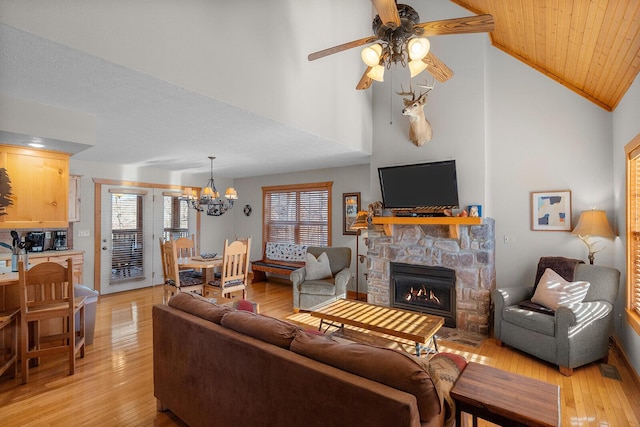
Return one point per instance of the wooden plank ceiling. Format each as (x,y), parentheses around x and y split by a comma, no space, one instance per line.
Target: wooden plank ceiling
(590,46)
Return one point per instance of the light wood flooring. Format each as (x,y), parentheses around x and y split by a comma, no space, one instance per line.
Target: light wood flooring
(113,384)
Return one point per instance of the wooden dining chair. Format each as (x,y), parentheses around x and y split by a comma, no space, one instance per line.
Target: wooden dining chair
(175,280)
(46,292)
(186,248)
(235,267)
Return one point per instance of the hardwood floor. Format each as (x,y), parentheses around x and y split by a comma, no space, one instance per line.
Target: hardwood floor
(113,384)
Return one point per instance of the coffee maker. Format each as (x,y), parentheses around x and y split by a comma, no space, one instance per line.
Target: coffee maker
(60,240)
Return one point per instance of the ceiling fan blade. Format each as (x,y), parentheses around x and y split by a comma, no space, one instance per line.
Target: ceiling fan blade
(437,68)
(341,47)
(466,25)
(365,81)
(388,12)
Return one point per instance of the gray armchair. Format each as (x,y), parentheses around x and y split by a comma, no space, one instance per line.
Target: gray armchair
(313,294)
(575,335)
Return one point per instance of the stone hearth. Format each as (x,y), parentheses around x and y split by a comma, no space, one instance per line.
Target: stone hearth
(471,255)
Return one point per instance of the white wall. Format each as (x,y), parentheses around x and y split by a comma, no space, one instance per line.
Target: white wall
(541,136)
(625,127)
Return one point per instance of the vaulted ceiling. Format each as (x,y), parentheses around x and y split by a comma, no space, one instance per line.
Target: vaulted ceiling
(590,46)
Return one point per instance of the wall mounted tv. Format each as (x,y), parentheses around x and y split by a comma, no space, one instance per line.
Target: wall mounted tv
(423,186)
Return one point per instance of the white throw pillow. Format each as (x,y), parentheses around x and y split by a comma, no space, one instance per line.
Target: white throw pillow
(317,269)
(553,291)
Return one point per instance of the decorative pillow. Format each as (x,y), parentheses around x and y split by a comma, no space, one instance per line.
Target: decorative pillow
(553,291)
(317,269)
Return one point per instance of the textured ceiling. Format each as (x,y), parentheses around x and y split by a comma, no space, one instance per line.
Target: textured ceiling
(144,121)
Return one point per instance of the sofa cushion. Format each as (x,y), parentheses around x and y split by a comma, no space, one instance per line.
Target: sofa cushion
(318,287)
(384,365)
(198,306)
(554,291)
(317,268)
(264,328)
(531,320)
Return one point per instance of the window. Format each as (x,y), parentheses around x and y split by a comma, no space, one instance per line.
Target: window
(298,214)
(632,151)
(175,217)
(126,236)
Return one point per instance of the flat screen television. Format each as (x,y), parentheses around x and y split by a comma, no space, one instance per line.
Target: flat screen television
(427,186)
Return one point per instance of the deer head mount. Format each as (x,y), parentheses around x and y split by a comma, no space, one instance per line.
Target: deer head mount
(419,127)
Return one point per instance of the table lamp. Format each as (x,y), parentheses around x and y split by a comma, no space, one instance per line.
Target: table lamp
(361,222)
(593,223)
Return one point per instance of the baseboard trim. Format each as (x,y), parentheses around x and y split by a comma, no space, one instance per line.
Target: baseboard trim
(616,347)
(352,295)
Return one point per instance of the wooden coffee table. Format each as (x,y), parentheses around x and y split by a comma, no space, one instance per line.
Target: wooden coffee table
(504,398)
(410,325)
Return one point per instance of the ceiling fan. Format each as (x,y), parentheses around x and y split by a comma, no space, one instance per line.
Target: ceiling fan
(399,37)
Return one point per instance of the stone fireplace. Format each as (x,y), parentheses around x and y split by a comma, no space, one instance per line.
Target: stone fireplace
(467,251)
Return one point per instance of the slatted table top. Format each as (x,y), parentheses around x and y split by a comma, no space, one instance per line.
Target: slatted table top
(399,323)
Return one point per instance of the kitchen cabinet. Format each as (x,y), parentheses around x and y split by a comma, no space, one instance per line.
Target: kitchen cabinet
(74,198)
(34,188)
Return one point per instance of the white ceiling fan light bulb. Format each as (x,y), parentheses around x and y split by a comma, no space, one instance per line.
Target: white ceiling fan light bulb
(416,67)
(371,54)
(376,73)
(418,48)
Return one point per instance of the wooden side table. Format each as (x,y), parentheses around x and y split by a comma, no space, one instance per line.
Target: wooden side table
(504,398)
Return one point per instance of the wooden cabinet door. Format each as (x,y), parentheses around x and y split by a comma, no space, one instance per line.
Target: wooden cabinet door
(34,188)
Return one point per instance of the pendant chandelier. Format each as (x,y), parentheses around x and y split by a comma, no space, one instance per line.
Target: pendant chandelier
(210,198)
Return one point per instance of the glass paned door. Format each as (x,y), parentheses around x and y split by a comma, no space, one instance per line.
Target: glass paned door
(127,251)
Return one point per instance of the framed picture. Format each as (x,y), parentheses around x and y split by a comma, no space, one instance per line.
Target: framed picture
(350,208)
(551,210)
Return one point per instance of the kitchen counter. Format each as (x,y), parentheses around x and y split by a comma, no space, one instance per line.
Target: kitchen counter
(6,256)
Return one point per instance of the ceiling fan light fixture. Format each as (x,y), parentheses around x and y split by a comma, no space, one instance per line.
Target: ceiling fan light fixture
(376,73)
(418,48)
(371,54)
(417,66)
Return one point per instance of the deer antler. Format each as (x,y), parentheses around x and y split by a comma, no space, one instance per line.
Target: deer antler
(404,93)
(426,85)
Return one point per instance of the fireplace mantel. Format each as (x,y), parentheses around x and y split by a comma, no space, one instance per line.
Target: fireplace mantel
(452,222)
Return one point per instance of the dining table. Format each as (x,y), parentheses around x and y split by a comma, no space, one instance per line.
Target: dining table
(206,265)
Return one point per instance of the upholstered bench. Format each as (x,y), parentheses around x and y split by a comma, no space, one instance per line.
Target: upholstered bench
(278,258)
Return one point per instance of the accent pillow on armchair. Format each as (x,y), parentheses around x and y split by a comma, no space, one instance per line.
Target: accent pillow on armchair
(317,269)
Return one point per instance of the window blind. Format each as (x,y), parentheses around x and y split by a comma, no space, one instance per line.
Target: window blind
(126,235)
(633,227)
(298,214)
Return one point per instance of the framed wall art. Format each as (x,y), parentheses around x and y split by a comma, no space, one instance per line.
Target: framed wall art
(551,210)
(350,208)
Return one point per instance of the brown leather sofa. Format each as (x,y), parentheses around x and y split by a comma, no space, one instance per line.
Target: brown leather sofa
(216,366)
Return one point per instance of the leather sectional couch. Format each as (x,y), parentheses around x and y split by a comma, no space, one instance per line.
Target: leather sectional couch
(216,366)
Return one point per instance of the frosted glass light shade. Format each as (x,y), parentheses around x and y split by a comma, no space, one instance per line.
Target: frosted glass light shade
(376,73)
(417,66)
(371,55)
(418,48)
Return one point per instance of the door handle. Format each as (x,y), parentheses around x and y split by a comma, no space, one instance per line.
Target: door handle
(104,248)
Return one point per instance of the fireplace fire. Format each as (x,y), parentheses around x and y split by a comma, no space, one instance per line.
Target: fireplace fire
(425,289)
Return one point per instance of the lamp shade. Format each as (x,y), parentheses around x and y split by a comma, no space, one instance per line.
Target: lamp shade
(418,48)
(371,55)
(376,73)
(361,222)
(593,223)
(231,193)
(417,66)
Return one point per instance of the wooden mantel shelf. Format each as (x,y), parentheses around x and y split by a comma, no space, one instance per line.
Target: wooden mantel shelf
(452,222)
